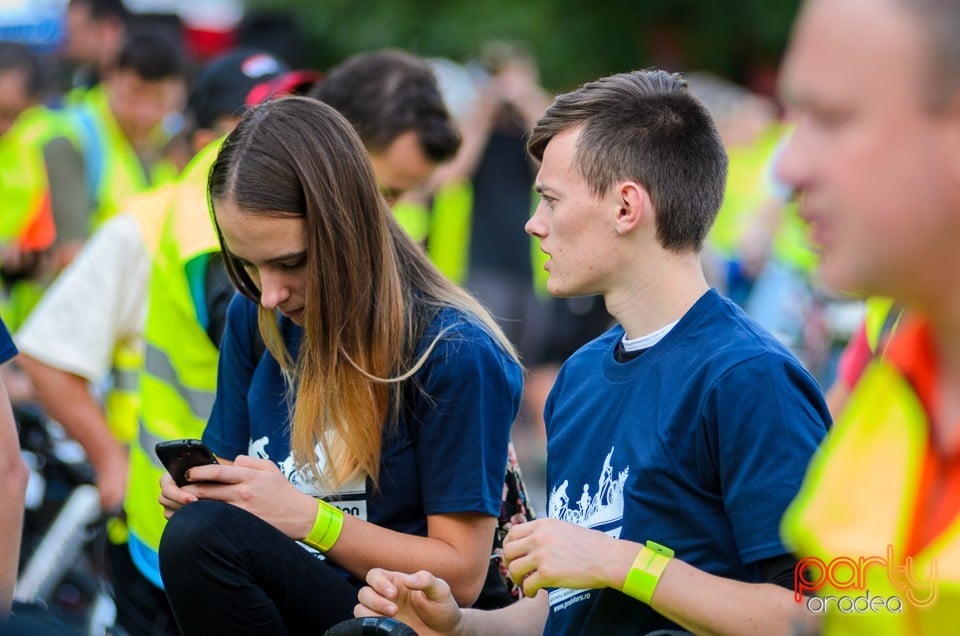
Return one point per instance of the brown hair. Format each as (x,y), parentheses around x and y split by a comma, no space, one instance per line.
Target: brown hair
(646,127)
(370,290)
(386,93)
(941,20)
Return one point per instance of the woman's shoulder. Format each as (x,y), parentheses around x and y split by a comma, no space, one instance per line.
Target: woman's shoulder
(459,348)
(455,332)
(453,325)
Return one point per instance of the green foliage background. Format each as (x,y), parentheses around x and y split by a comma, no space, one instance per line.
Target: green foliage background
(573,40)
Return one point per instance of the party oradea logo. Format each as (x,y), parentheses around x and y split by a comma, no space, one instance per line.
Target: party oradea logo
(848,573)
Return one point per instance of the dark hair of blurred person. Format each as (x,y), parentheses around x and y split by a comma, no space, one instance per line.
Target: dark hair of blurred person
(94,35)
(21,82)
(392,100)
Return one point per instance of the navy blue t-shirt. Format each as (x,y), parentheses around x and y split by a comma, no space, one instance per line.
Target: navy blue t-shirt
(446,454)
(7,349)
(699,444)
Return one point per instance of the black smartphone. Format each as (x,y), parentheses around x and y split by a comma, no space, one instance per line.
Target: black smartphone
(179,455)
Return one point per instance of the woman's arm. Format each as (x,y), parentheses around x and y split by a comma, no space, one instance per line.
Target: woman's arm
(457,546)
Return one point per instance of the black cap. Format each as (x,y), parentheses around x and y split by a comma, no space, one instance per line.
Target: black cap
(222,87)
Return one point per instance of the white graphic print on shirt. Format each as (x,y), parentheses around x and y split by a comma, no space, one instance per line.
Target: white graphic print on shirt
(351,497)
(601,510)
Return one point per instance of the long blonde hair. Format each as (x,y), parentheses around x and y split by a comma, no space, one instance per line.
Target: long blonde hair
(370,290)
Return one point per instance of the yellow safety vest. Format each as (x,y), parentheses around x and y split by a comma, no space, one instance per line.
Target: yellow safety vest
(449,236)
(746,190)
(791,243)
(23,175)
(122,402)
(179,376)
(27,216)
(854,510)
(113,169)
(880,318)
(80,94)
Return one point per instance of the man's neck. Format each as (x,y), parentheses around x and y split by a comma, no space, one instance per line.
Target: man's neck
(654,299)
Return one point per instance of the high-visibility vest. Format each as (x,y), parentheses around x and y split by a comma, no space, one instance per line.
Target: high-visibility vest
(449,235)
(857,502)
(122,401)
(179,376)
(26,215)
(791,243)
(747,188)
(880,319)
(113,169)
(79,95)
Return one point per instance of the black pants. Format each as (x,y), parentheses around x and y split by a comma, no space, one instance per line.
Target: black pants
(142,607)
(228,572)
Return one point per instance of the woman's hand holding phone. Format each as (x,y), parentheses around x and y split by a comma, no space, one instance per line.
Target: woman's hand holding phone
(255,485)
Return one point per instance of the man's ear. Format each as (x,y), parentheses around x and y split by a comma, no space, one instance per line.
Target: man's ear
(634,207)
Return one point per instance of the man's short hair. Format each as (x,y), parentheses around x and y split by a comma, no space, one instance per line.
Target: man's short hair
(386,93)
(104,9)
(941,20)
(152,56)
(17,57)
(645,126)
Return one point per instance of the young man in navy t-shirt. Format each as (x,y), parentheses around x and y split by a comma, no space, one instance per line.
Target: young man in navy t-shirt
(674,441)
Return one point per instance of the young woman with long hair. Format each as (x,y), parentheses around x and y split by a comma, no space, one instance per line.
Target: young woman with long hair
(364,402)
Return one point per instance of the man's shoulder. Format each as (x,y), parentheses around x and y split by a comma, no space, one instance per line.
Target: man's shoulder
(724,334)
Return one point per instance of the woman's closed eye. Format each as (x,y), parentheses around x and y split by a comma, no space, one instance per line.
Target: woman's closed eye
(294,264)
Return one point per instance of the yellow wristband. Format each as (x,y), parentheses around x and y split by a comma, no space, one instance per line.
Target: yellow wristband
(646,570)
(326,527)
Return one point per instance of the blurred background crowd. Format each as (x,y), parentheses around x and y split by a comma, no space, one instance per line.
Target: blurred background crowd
(92,111)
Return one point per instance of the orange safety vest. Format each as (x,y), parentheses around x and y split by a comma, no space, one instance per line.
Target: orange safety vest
(851,521)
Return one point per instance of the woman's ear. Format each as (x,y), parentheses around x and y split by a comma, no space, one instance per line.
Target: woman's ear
(634,207)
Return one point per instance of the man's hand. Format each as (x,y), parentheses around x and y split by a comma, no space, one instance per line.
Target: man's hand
(552,553)
(420,600)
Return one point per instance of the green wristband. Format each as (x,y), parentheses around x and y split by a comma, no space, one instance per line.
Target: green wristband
(326,527)
(646,571)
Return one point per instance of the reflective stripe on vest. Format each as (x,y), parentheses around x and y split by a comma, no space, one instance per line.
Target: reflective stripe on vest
(178,381)
(159,366)
(122,402)
(857,503)
(147,441)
